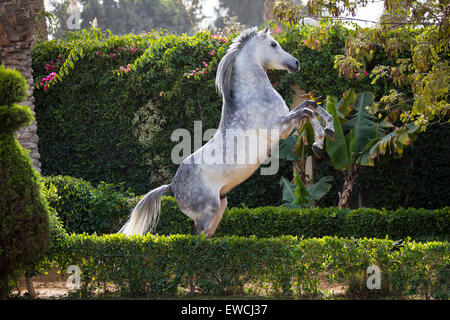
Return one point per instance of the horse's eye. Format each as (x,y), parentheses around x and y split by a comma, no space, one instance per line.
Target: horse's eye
(273,44)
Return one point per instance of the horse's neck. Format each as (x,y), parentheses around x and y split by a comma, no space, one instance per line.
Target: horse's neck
(249,78)
(249,82)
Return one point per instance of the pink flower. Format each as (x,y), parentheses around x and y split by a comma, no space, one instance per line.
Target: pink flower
(205,64)
(112,55)
(97,53)
(277,29)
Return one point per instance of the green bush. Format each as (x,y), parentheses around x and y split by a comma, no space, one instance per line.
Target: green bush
(23,209)
(160,265)
(14,87)
(419,224)
(83,208)
(104,209)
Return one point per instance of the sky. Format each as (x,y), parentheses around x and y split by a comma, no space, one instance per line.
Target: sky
(371,12)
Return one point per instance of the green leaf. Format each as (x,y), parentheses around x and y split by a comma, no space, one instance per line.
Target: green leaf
(348,99)
(337,149)
(362,124)
(300,192)
(320,188)
(288,190)
(286,148)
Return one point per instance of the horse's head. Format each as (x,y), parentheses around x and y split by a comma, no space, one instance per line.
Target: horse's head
(270,54)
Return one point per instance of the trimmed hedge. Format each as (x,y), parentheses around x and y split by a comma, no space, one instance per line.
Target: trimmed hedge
(24,226)
(83,208)
(419,224)
(159,265)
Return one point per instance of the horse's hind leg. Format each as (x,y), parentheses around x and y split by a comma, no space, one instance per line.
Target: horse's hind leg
(209,219)
(218,217)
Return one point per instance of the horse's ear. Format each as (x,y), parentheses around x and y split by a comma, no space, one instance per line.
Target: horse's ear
(264,32)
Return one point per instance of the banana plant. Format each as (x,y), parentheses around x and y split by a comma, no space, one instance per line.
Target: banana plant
(297,195)
(297,148)
(360,137)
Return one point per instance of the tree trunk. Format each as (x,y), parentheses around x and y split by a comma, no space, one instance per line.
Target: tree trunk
(30,287)
(349,183)
(40,28)
(16,36)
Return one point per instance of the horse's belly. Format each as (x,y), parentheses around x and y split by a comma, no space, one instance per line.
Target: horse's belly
(227,177)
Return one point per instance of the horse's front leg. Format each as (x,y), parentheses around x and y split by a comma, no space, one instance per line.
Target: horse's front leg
(324,115)
(305,110)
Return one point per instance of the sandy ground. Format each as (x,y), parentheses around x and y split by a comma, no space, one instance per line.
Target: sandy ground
(53,286)
(50,286)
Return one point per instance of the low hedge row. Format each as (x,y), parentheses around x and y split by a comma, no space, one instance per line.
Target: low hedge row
(182,264)
(419,224)
(83,208)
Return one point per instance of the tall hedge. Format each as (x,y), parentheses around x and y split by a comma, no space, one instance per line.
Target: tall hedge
(102,122)
(23,209)
(111,116)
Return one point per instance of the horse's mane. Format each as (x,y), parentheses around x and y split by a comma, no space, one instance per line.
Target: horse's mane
(226,65)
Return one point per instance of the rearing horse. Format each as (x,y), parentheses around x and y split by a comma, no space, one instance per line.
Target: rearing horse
(252,110)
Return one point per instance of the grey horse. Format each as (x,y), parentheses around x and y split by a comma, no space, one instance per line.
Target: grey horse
(252,111)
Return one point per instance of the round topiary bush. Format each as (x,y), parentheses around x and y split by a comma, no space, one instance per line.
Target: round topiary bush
(24,223)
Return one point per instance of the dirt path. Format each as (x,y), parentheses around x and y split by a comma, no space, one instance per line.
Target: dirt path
(53,286)
(50,286)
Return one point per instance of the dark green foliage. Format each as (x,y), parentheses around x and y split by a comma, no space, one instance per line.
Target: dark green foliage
(288,266)
(418,179)
(84,208)
(23,210)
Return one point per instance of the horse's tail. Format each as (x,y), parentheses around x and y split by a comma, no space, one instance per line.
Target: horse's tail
(145,215)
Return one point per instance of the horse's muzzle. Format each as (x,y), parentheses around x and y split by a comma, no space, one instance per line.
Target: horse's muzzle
(293,67)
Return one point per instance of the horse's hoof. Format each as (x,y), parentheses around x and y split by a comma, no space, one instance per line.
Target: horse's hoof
(317,151)
(308,113)
(329,133)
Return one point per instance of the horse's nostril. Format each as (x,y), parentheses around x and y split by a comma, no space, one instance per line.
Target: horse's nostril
(297,63)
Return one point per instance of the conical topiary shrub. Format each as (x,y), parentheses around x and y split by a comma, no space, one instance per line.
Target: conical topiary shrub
(23,209)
